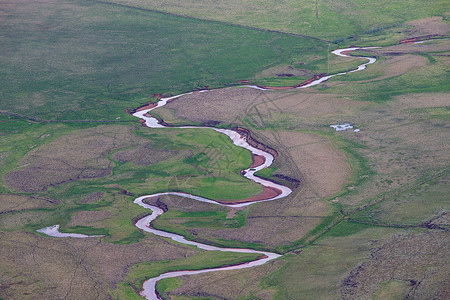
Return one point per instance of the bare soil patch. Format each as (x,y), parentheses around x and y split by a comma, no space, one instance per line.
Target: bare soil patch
(267,193)
(257,160)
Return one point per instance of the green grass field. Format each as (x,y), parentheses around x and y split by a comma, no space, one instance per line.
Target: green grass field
(71,60)
(84,60)
(412,207)
(333,20)
(206,259)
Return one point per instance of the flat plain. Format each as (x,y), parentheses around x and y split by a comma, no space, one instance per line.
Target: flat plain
(368,217)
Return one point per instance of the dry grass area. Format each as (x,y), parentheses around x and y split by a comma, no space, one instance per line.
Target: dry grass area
(307,106)
(278,70)
(89,218)
(401,144)
(238,282)
(419,261)
(237,106)
(143,155)
(423,100)
(432,46)
(12,203)
(433,25)
(324,168)
(369,264)
(92,198)
(228,105)
(33,267)
(398,65)
(312,159)
(315,273)
(80,155)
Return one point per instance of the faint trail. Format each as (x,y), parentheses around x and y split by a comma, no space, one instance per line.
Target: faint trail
(317,11)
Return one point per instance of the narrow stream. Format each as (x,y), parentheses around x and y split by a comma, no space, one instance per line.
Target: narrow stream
(149,286)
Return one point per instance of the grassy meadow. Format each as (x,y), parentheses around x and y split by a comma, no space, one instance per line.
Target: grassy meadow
(342,21)
(84,60)
(367,206)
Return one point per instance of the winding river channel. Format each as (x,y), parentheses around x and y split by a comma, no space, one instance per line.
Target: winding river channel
(266,159)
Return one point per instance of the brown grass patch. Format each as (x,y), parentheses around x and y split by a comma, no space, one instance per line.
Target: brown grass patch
(143,155)
(280,70)
(33,267)
(397,65)
(79,155)
(237,283)
(227,105)
(433,46)
(419,260)
(11,203)
(88,218)
(92,198)
(324,168)
(423,100)
(433,25)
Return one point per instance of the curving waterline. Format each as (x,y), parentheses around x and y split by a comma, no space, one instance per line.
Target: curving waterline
(149,286)
(54,232)
(338,52)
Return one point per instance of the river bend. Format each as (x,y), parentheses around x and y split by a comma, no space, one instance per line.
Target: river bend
(149,286)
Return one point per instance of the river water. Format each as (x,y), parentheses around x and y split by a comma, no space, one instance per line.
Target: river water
(149,286)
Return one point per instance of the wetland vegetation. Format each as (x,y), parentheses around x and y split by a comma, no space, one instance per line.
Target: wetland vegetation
(368,207)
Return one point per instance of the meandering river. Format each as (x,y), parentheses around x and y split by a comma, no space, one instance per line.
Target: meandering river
(149,286)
